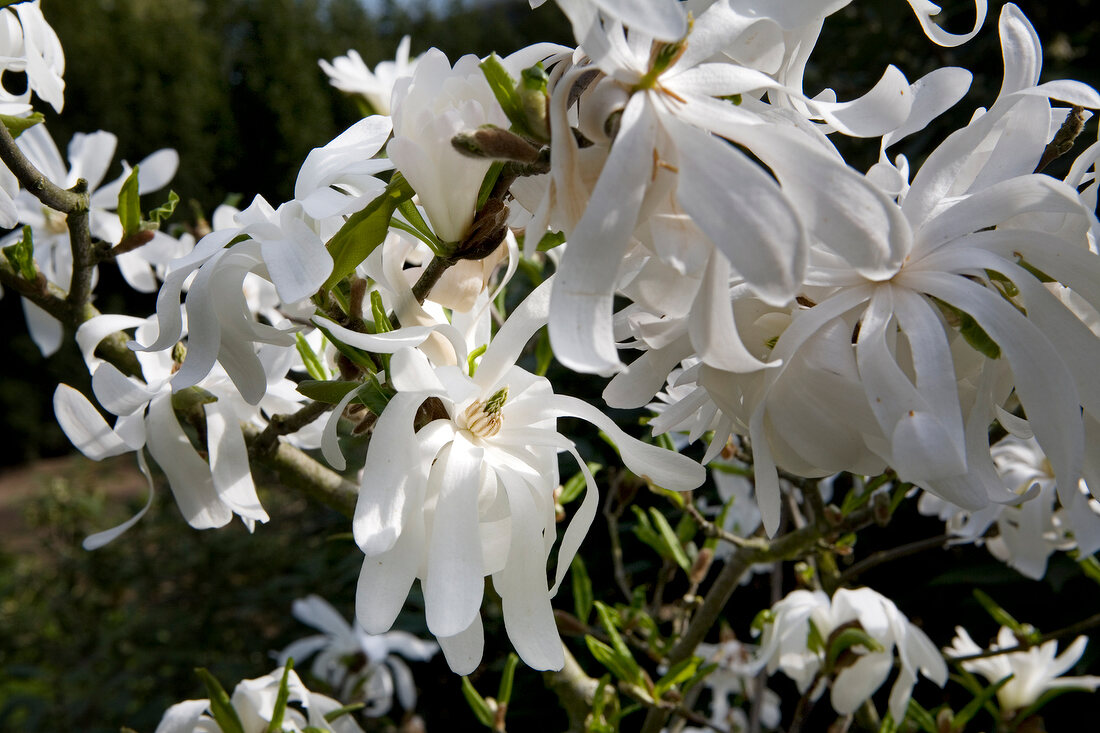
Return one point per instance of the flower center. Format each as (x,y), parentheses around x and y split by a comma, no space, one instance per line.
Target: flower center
(483,418)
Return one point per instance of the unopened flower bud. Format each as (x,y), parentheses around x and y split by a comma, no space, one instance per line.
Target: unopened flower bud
(496,143)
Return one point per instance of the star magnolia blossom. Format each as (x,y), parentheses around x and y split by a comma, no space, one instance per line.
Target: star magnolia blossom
(803,616)
(254,702)
(1034,671)
(90,156)
(361,667)
(350,74)
(208,491)
(488,466)
(28,44)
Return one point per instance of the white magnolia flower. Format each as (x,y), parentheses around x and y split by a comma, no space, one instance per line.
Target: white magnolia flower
(360,667)
(90,156)
(735,679)
(487,464)
(1029,531)
(429,108)
(796,641)
(28,44)
(254,702)
(208,491)
(1034,671)
(351,74)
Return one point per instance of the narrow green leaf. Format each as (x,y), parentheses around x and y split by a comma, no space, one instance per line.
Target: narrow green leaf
(504,692)
(921,717)
(550,240)
(343,710)
(374,395)
(504,89)
(572,488)
(1001,616)
(1090,566)
(606,656)
(671,541)
(644,531)
(378,312)
(312,362)
(17,125)
(365,230)
(544,355)
(165,210)
(21,256)
(678,673)
(220,706)
(700,674)
(888,725)
(129,204)
(477,703)
(845,640)
(582,589)
(617,643)
(985,696)
(329,392)
(281,699)
(488,182)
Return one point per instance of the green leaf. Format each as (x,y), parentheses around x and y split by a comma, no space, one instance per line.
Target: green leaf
(220,706)
(701,674)
(970,330)
(550,240)
(845,640)
(543,353)
(477,703)
(357,357)
(617,643)
(343,710)
(488,182)
(504,89)
(1001,616)
(17,125)
(985,696)
(606,656)
(577,483)
(678,673)
(374,395)
(314,367)
(329,392)
(504,692)
(129,204)
(21,256)
(888,724)
(365,230)
(582,589)
(277,713)
(671,541)
(644,531)
(921,717)
(165,210)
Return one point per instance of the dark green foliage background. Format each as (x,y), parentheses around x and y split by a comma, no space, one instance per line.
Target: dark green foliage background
(93,641)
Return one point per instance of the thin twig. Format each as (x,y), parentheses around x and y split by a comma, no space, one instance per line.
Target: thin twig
(277,425)
(36,182)
(893,553)
(1088,623)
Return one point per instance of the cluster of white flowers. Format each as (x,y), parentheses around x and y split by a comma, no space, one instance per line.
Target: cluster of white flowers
(697,211)
(809,637)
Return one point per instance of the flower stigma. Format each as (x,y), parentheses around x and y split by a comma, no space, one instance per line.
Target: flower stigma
(483,418)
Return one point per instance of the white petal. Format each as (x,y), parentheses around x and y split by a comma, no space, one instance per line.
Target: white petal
(381,343)
(84,426)
(99,539)
(385,579)
(581,304)
(925,9)
(741,209)
(188,474)
(528,617)
(463,650)
(712,325)
(879,111)
(455,582)
(392,477)
(517,330)
(229,463)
